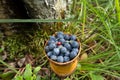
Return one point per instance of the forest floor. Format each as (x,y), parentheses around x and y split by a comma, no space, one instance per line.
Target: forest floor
(97,26)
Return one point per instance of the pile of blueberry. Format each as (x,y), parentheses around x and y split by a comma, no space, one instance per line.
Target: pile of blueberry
(62,47)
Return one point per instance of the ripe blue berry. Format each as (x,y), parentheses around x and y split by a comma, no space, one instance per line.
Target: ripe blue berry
(66,58)
(52,46)
(75,49)
(56,51)
(59,36)
(50,41)
(49,53)
(52,38)
(62,40)
(60,32)
(73,54)
(74,44)
(60,59)
(46,49)
(66,37)
(73,37)
(67,53)
(68,46)
(53,57)
(63,50)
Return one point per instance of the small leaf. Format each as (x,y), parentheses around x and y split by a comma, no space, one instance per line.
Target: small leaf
(38,77)
(8,75)
(34,77)
(1,49)
(67,78)
(19,78)
(28,72)
(36,70)
(96,76)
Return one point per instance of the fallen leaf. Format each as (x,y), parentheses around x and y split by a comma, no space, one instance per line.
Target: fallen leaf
(29,59)
(4,56)
(83,57)
(21,62)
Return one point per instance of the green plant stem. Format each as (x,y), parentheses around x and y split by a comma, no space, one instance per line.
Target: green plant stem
(117,5)
(84,18)
(1,61)
(34,20)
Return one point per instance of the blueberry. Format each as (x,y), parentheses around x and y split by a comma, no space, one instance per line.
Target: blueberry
(59,36)
(73,54)
(46,49)
(53,57)
(74,44)
(60,59)
(63,50)
(66,59)
(52,46)
(73,37)
(56,51)
(68,46)
(75,49)
(67,53)
(66,37)
(62,40)
(50,41)
(52,38)
(49,53)
(60,32)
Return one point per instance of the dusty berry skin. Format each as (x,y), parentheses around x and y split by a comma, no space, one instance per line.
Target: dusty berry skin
(60,59)
(74,44)
(46,49)
(66,58)
(73,54)
(62,40)
(60,32)
(66,37)
(59,36)
(52,46)
(53,38)
(53,57)
(62,47)
(63,50)
(50,41)
(75,49)
(49,53)
(56,51)
(73,37)
(67,53)
(68,46)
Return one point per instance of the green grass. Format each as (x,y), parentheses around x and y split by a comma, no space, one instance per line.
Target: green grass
(96,24)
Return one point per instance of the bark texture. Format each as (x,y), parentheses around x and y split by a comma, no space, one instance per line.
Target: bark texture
(11,9)
(45,9)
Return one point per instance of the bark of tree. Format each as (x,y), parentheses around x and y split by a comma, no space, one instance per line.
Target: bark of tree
(36,9)
(11,9)
(45,9)
(5,12)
